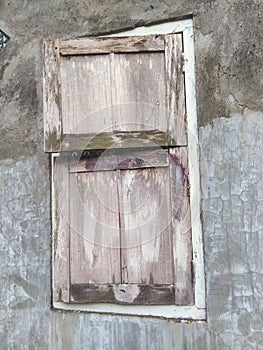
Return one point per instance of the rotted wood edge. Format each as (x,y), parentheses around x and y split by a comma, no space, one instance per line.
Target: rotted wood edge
(119,160)
(52,108)
(102,45)
(131,294)
(60,230)
(175,88)
(117,140)
(181,226)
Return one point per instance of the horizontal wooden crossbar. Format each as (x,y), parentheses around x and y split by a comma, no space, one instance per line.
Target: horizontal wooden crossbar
(120,160)
(85,46)
(133,294)
(116,139)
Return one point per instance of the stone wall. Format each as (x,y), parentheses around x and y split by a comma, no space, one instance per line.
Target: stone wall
(228,43)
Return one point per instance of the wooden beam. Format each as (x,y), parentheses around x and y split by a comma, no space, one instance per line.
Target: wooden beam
(131,294)
(117,139)
(120,160)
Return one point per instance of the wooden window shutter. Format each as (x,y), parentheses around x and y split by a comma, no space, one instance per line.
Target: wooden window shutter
(115,110)
(97,90)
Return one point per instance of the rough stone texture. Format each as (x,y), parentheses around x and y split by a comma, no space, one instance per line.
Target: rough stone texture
(232,157)
(25,254)
(228,41)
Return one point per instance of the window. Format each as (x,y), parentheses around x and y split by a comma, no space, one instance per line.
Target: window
(120,122)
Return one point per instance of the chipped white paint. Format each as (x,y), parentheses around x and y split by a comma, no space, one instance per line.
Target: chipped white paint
(167,311)
(163,28)
(194,173)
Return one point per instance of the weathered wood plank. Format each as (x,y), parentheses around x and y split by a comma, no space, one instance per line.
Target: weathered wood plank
(146,245)
(94,235)
(181,227)
(138,91)
(116,139)
(86,94)
(103,45)
(60,243)
(131,294)
(52,96)
(175,90)
(121,160)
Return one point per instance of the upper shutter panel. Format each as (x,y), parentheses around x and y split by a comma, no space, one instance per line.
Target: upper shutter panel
(97,88)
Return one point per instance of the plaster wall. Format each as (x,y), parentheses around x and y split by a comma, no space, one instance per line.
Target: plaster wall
(228,47)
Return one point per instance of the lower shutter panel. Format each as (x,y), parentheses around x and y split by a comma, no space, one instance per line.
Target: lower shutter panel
(130,234)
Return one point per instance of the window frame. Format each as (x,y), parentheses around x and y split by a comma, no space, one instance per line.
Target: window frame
(198,310)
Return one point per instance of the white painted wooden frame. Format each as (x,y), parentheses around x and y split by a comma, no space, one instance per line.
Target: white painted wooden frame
(197,311)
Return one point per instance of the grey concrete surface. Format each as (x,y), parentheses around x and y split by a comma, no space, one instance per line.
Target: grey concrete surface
(228,44)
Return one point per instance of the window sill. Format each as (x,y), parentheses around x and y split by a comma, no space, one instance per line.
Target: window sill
(167,311)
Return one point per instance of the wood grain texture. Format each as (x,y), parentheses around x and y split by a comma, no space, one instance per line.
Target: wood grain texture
(121,160)
(175,88)
(146,255)
(94,220)
(60,258)
(138,91)
(104,45)
(181,227)
(86,94)
(52,96)
(123,294)
(123,92)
